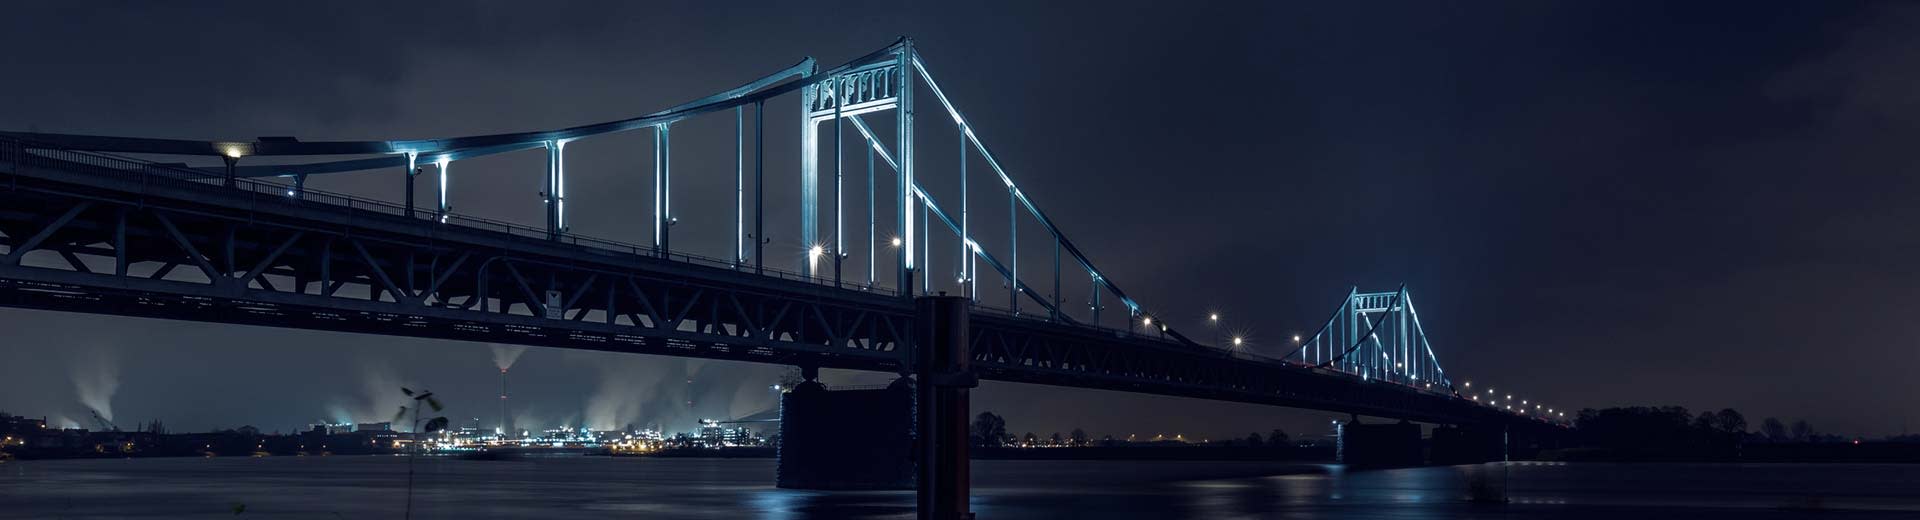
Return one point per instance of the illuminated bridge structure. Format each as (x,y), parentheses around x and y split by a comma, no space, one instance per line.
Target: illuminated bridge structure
(101,225)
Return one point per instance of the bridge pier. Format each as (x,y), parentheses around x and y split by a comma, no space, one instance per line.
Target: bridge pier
(846,439)
(1380,445)
(942,359)
(912,434)
(1467,444)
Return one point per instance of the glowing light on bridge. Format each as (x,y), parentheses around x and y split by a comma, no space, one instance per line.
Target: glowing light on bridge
(440,169)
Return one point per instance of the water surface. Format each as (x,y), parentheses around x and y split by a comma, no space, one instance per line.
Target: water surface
(575,487)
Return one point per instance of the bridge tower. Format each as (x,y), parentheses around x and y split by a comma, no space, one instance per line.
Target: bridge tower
(841,98)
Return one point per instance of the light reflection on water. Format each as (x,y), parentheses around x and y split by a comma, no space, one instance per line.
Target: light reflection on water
(373,487)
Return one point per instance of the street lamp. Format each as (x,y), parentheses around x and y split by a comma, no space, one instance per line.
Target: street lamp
(814,253)
(1213,320)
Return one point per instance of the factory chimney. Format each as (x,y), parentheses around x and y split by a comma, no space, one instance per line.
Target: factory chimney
(506,419)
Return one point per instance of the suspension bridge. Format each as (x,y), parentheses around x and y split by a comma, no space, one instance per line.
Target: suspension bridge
(106,225)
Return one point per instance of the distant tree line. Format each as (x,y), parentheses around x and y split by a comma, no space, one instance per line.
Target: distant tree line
(1671,432)
(990,430)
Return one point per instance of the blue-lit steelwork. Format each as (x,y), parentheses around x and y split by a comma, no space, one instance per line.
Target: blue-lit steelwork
(247,242)
(1377,337)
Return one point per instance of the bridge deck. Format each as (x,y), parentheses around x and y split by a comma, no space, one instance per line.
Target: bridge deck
(108,235)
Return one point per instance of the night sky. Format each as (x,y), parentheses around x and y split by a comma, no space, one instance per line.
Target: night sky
(1594,204)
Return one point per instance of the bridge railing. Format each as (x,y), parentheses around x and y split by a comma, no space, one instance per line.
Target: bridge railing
(17,153)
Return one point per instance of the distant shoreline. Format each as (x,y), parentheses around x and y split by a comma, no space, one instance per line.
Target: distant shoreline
(1825,453)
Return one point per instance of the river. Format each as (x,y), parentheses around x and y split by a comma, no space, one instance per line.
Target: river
(573,487)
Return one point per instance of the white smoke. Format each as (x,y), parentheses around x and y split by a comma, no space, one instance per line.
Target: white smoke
(96,376)
(648,392)
(624,388)
(749,399)
(674,394)
(505,355)
(338,414)
(379,397)
(526,418)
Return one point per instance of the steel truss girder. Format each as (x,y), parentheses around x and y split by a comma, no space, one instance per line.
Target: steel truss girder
(388,275)
(262,270)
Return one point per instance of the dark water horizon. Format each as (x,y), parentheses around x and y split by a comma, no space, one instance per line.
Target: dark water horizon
(447,488)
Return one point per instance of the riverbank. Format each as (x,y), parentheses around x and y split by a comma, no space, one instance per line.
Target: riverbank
(1831,452)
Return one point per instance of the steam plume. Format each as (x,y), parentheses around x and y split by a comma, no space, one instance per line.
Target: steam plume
(96,376)
(380,396)
(673,393)
(505,355)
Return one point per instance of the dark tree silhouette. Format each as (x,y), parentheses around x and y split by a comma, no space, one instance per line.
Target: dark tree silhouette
(1663,433)
(1775,430)
(1079,437)
(1729,421)
(989,430)
(1278,437)
(790,379)
(1056,440)
(1802,432)
(1253,439)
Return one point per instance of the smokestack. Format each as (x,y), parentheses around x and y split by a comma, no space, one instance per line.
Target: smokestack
(506,420)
